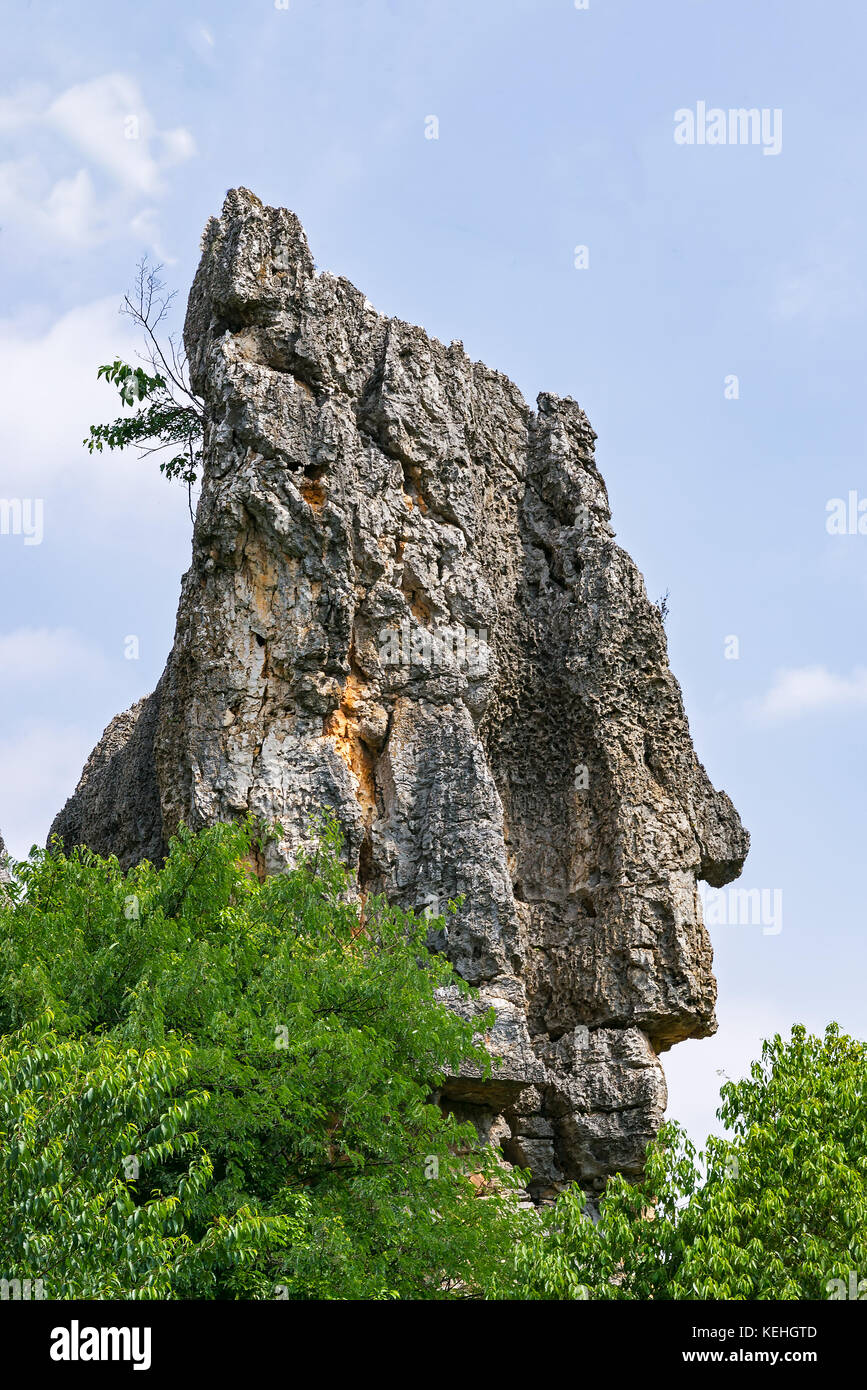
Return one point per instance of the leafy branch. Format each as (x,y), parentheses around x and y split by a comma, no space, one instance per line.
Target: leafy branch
(165,411)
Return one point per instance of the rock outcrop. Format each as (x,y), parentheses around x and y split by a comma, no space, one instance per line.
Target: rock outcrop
(406,604)
(4,871)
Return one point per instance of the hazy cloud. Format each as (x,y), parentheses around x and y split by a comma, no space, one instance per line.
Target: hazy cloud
(107,122)
(807,689)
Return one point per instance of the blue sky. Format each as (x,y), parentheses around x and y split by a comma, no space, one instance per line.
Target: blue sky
(555,130)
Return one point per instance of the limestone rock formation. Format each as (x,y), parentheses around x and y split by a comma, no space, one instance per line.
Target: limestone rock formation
(406,604)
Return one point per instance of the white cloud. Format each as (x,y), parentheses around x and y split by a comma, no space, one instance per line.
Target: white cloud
(51,393)
(71,209)
(145,226)
(806,689)
(107,122)
(50,397)
(177,146)
(66,210)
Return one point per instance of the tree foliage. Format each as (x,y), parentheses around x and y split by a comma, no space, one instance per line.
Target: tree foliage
(84,1124)
(214,1086)
(777,1211)
(298,1035)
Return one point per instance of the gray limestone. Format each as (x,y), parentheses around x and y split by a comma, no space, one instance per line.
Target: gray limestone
(406,604)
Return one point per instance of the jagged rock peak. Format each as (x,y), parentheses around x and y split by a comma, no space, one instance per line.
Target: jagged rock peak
(406,604)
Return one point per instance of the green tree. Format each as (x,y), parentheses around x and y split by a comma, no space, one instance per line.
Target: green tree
(316,1028)
(777,1211)
(83,1122)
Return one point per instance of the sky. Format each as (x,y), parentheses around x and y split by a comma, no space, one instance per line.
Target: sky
(518,175)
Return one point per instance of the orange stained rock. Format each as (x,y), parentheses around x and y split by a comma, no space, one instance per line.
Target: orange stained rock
(342,727)
(313,492)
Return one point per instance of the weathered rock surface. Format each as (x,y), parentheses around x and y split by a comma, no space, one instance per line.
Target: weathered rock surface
(406,604)
(4,871)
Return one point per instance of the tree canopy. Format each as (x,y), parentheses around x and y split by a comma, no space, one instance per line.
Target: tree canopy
(265,1053)
(214,1085)
(776,1211)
